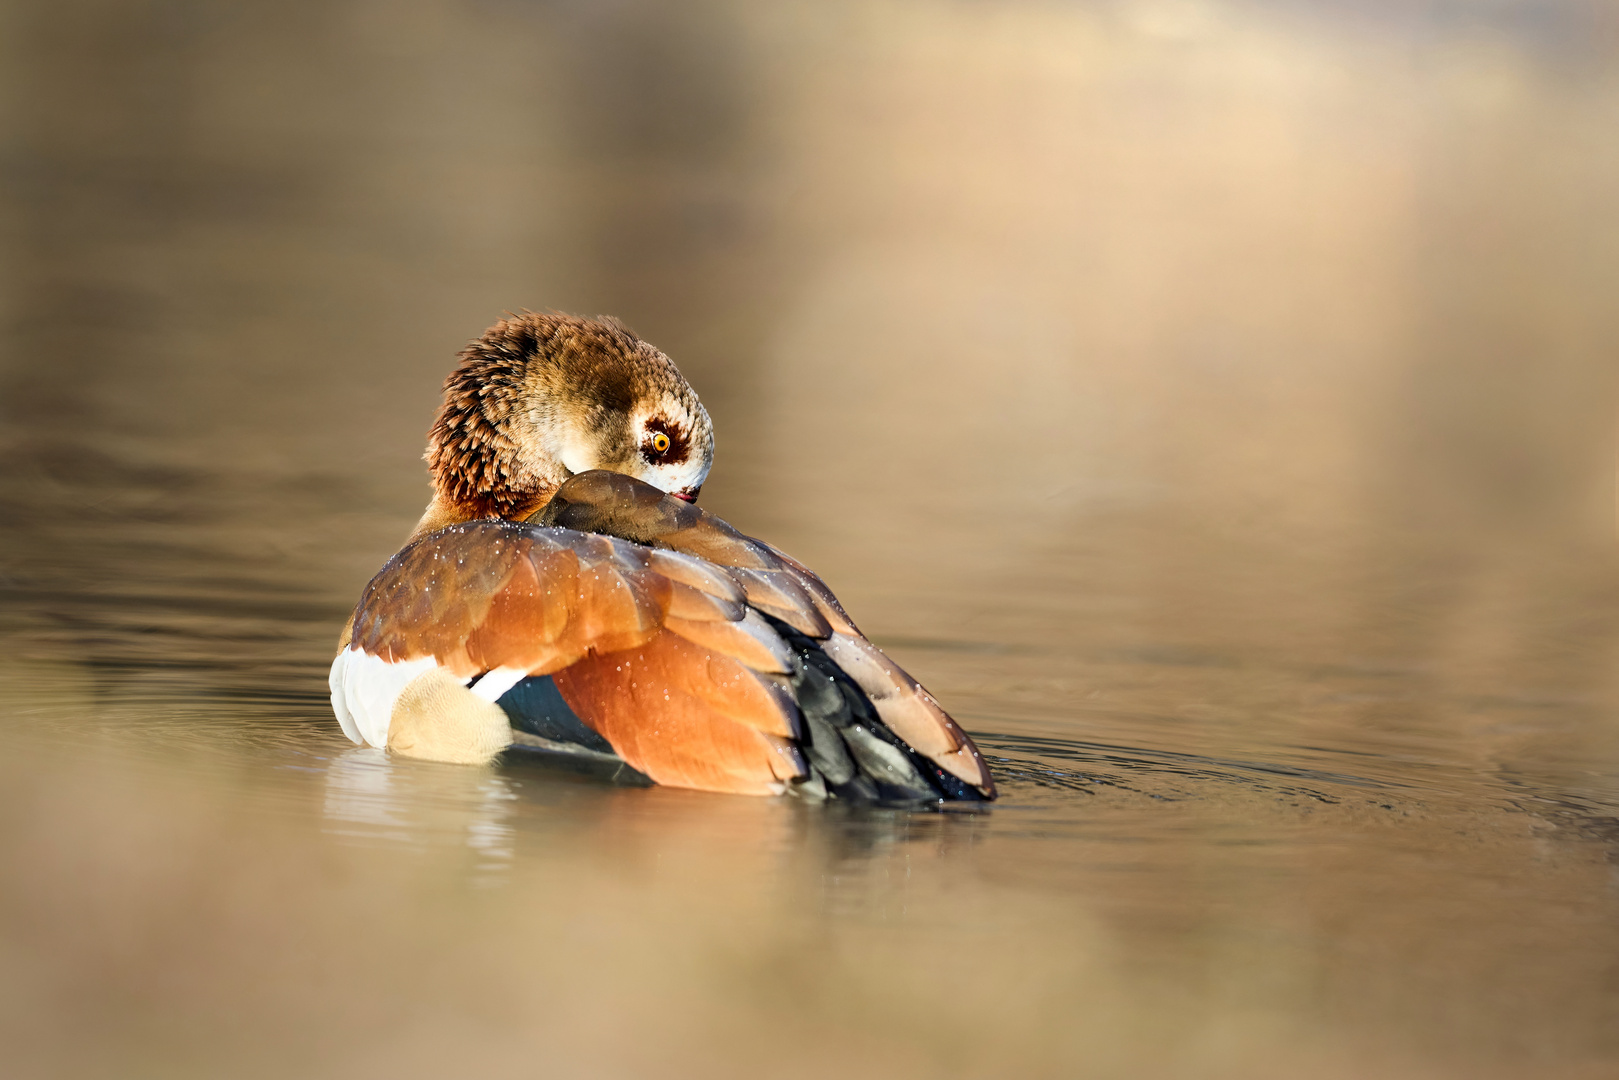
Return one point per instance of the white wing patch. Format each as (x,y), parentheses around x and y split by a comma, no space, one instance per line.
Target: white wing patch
(497,681)
(364,689)
(340,704)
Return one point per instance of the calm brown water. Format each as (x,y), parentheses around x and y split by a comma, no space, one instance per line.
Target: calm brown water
(1213,403)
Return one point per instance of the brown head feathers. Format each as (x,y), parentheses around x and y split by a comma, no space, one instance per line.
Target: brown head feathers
(540,397)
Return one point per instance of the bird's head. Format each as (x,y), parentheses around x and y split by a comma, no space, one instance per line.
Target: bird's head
(540,397)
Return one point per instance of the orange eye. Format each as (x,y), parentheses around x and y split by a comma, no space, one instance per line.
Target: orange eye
(660,442)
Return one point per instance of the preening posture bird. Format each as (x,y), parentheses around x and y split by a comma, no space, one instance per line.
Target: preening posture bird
(564,592)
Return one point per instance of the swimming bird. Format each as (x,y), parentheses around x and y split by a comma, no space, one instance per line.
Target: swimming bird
(563,592)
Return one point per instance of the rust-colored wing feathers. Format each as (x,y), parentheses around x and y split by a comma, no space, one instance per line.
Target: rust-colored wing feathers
(427,599)
(655,620)
(749,639)
(696,574)
(686,602)
(781,587)
(819,594)
(777,593)
(686,716)
(658,653)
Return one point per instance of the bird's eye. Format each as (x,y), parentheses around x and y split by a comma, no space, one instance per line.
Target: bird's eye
(660,442)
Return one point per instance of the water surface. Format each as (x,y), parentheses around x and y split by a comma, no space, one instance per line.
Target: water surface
(1213,404)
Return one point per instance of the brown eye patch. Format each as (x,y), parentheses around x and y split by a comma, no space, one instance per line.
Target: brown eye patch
(666,442)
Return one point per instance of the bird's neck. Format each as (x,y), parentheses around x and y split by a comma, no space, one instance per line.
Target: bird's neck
(484,469)
(444,510)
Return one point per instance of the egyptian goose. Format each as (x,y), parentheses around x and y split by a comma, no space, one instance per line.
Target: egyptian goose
(564,592)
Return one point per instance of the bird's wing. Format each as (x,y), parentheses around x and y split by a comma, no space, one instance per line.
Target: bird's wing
(655,651)
(704,658)
(792,598)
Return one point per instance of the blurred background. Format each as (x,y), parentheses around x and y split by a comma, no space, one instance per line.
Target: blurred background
(1213,401)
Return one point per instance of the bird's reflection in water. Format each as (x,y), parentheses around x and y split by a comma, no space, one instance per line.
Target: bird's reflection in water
(844,857)
(872,855)
(372,798)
